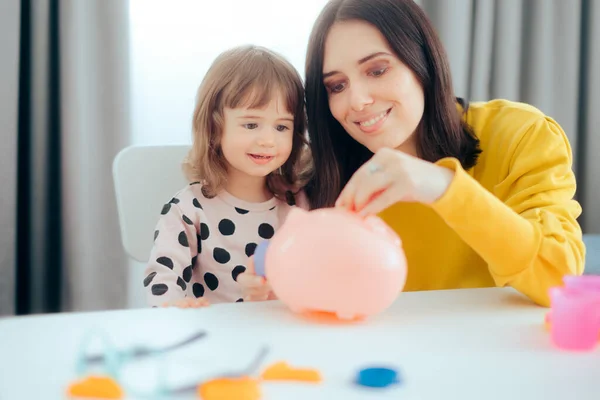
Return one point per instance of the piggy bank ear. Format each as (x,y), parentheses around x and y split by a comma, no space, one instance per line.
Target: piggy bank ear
(294,215)
(378,226)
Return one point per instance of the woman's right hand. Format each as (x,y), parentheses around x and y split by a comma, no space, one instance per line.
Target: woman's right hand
(254,287)
(391,176)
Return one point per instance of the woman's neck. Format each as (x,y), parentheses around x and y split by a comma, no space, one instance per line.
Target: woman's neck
(409,146)
(252,189)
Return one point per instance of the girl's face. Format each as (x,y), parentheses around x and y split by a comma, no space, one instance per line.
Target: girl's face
(374,96)
(256,142)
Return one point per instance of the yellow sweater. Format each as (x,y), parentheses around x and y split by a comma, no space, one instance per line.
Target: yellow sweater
(510,220)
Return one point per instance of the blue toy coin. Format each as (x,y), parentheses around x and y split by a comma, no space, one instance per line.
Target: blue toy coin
(259,257)
(377,377)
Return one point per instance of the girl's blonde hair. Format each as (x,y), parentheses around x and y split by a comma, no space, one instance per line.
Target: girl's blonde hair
(248,76)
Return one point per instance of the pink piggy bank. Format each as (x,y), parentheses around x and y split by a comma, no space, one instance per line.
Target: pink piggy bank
(330,260)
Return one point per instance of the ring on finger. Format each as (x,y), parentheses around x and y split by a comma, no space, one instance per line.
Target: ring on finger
(373,167)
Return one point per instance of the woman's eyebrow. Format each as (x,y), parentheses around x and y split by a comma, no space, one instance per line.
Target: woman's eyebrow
(361,61)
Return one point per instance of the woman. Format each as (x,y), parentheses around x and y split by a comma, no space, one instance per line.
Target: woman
(481,194)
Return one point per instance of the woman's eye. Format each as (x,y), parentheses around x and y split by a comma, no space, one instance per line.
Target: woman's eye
(250,126)
(336,88)
(282,128)
(378,72)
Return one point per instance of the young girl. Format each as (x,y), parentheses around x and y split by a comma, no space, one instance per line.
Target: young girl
(245,165)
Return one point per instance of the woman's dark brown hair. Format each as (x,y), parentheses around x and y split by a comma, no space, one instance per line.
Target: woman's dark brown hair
(441,132)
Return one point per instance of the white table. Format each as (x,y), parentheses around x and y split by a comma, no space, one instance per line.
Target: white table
(456,344)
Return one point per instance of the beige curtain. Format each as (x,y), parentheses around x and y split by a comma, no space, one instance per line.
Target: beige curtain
(95,126)
(9,83)
(543,52)
(64,114)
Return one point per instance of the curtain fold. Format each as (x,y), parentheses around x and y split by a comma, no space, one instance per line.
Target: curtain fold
(589,116)
(10,13)
(39,231)
(95,112)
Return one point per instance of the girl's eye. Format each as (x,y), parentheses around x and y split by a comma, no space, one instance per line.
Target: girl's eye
(282,128)
(251,126)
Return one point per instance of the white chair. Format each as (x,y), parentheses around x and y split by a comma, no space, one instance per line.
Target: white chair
(145,178)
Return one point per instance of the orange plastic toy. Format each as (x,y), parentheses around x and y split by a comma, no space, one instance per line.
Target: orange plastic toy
(96,387)
(244,388)
(281,371)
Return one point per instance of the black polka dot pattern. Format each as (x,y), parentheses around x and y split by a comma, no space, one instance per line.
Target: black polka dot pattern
(204,231)
(226,227)
(198,289)
(181,283)
(211,281)
(266,231)
(159,289)
(166,261)
(148,279)
(250,247)
(221,255)
(187,273)
(216,234)
(236,271)
(183,240)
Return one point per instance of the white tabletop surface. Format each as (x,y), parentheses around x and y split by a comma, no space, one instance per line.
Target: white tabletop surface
(455,344)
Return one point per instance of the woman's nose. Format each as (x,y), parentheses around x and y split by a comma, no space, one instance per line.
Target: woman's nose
(360,97)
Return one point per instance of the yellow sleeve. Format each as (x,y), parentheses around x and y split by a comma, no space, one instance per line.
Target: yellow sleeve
(527,230)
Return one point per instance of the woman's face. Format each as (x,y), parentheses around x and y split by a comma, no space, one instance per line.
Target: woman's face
(374,96)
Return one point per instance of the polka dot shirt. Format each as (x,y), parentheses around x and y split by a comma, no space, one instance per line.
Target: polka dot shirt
(201,245)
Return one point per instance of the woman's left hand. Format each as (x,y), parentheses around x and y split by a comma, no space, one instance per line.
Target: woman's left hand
(391,176)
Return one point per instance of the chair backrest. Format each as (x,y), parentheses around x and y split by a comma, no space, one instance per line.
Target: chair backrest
(145,178)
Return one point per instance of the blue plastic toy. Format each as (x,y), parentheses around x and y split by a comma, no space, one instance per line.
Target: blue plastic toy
(377,377)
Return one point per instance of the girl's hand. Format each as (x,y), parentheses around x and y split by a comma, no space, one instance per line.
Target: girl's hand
(391,176)
(188,302)
(254,287)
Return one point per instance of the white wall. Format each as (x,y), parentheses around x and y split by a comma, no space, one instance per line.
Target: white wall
(174,42)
